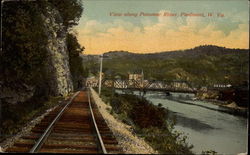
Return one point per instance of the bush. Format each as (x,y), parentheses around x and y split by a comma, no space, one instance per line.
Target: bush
(150,122)
(165,141)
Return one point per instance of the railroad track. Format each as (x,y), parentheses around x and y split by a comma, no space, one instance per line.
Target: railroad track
(74,127)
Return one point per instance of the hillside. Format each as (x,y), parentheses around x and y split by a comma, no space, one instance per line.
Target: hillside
(203,65)
(190,53)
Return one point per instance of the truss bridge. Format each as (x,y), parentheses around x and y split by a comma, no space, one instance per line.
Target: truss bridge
(146,85)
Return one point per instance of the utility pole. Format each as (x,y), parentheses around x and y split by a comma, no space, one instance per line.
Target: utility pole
(100,75)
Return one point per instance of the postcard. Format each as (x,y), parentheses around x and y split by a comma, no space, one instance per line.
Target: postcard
(124,76)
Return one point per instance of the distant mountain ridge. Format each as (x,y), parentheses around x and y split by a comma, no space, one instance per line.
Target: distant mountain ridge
(199,51)
(188,53)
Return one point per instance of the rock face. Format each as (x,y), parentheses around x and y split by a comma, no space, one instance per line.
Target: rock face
(58,63)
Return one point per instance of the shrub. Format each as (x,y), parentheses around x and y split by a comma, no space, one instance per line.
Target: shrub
(150,122)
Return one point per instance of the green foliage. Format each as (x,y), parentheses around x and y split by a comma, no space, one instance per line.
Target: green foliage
(166,142)
(201,66)
(24,53)
(24,43)
(70,10)
(75,61)
(150,122)
(23,57)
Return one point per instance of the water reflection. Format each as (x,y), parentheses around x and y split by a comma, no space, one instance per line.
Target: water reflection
(188,122)
(208,126)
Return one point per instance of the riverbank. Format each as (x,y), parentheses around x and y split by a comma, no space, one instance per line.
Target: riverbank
(232,107)
(229,99)
(207,128)
(150,122)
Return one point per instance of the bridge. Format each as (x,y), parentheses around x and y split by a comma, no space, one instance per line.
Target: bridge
(146,85)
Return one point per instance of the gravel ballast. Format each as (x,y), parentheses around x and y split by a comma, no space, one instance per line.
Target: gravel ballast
(127,140)
(130,143)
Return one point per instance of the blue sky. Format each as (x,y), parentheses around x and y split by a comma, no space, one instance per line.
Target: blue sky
(144,34)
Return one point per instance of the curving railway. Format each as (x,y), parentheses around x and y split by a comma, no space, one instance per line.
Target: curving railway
(76,126)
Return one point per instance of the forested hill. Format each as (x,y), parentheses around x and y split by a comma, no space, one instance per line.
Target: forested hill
(203,65)
(188,53)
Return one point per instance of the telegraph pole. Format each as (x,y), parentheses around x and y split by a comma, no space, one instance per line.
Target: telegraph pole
(100,75)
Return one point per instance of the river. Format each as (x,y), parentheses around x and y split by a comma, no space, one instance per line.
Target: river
(205,124)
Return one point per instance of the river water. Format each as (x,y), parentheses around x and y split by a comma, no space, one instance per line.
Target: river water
(207,127)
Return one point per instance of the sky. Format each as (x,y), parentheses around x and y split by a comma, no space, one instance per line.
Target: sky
(148,26)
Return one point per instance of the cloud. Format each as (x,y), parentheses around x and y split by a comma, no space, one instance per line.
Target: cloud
(168,33)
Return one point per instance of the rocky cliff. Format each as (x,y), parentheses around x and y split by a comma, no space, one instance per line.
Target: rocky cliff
(26,58)
(60,80)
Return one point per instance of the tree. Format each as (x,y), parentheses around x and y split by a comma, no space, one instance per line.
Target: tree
(70,10)
(75,61)
(24,43)
(24,54)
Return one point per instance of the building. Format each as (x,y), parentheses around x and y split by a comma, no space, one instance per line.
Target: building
(92,81)
(136,75)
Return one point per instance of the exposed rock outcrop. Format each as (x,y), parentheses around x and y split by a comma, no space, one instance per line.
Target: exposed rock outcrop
(56,67)
(58,63)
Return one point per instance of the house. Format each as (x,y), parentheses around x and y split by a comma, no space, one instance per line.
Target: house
(136,75)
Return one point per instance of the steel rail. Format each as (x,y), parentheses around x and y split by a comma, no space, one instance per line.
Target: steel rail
(96,127)
(44,136)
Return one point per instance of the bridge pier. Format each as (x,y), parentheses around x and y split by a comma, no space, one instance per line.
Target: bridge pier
(167,93)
